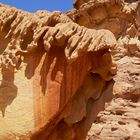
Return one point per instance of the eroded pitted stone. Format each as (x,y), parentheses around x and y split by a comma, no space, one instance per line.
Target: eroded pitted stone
(60,57)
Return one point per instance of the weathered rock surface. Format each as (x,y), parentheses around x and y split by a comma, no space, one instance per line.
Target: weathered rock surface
(57,70)
(120,118)
(120,121)
(67,70)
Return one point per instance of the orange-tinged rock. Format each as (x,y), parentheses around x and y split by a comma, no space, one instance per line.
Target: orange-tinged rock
(65,78)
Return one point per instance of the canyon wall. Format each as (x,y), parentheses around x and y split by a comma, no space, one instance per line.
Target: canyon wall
(56,75)
(120,120)
(58,72)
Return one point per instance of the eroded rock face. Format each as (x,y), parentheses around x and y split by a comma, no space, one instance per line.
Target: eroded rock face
(67,70)
(66,63)
(119,120)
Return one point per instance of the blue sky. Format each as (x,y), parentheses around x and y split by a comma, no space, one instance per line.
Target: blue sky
(34,5)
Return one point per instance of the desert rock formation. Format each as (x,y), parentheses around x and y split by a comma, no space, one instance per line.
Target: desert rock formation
(67,68)
(120,120)
(58,72)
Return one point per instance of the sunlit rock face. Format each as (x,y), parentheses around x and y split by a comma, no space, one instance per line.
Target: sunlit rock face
(58,71)
(122,18)
(55,75)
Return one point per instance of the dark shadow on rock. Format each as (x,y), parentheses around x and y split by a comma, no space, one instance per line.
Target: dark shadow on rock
(76,125)
(93,107)
(8,91)
(32,62)
(56,58)
(130,1)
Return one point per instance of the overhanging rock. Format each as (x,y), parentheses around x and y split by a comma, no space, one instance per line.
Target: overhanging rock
(60,75)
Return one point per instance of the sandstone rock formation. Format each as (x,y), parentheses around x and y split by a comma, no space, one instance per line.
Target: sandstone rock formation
(67,68)
(57,72)
(120,118)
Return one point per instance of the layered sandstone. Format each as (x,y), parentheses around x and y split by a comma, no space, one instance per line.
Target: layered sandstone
(56,75)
